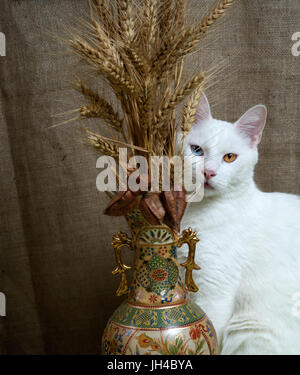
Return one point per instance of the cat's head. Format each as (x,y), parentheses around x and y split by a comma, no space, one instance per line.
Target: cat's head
(229,149)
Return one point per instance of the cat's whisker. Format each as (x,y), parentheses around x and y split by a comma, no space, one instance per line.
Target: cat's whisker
(248,242)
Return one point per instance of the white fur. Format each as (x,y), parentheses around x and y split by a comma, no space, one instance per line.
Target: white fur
(249,249)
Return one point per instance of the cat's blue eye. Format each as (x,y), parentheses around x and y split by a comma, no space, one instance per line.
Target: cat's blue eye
(197,150)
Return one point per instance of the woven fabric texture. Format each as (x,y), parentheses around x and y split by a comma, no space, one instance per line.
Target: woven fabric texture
(55,253)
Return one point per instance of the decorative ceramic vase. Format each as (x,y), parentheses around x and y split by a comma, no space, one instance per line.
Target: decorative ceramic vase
(157,316)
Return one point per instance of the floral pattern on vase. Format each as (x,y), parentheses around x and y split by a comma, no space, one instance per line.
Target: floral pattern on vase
(189,340)
(157,317)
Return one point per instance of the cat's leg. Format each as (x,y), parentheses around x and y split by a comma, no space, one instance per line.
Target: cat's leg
(249,337)
(255,326)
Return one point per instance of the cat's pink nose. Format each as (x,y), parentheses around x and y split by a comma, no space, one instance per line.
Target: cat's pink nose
(208,174)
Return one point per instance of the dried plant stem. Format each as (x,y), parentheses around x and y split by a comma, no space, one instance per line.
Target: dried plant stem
(113,142)
(184,43)
(189,114)
(177,98)
(180,15)
(102,145)
(166,17)
(150,23)
(105,17)
(126,21)
(101,110)
(138,60)
(105,45)
(195,33)
(172,140)
(99,107)
(190,110)
(139,49)
(105,65)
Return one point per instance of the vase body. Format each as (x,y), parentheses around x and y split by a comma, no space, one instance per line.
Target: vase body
(157,317)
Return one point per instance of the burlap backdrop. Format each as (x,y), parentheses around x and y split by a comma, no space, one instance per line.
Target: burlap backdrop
(56,258)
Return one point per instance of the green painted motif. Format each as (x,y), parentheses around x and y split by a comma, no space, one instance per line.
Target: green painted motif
(158,275)
(158,318)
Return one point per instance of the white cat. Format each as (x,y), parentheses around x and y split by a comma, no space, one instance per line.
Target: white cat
(249,249)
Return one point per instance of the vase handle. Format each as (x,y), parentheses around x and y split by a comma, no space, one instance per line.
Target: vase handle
(189,237)
(119,240)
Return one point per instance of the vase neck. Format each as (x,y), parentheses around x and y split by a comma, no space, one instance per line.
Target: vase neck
(156,280)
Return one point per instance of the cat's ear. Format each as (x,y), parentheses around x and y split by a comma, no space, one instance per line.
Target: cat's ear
(203,110)
(252,124)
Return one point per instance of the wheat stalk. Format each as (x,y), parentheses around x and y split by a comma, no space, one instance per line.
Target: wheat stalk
(140,61)
(185,42)
(108,66)
(126,22)
(98,107)
(102,109)
(111,145)
(189,114)
(178,96)
(166,17)
(194,34)
(105,17)
(139,48)
(101,144)
(180,15)
(105,44)
(150,24)
(190,110)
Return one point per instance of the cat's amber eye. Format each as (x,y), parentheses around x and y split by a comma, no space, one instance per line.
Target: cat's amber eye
(229,158)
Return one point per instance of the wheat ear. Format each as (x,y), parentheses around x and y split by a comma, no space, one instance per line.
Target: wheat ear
(180,94)
(105,17)
(180,46)
(189,114)
(195,33)
(166,17)
(105,45)
(150,23)
(101,144)
(180,15)
(126,20)
(98,107)
(112,145)
(107,66)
